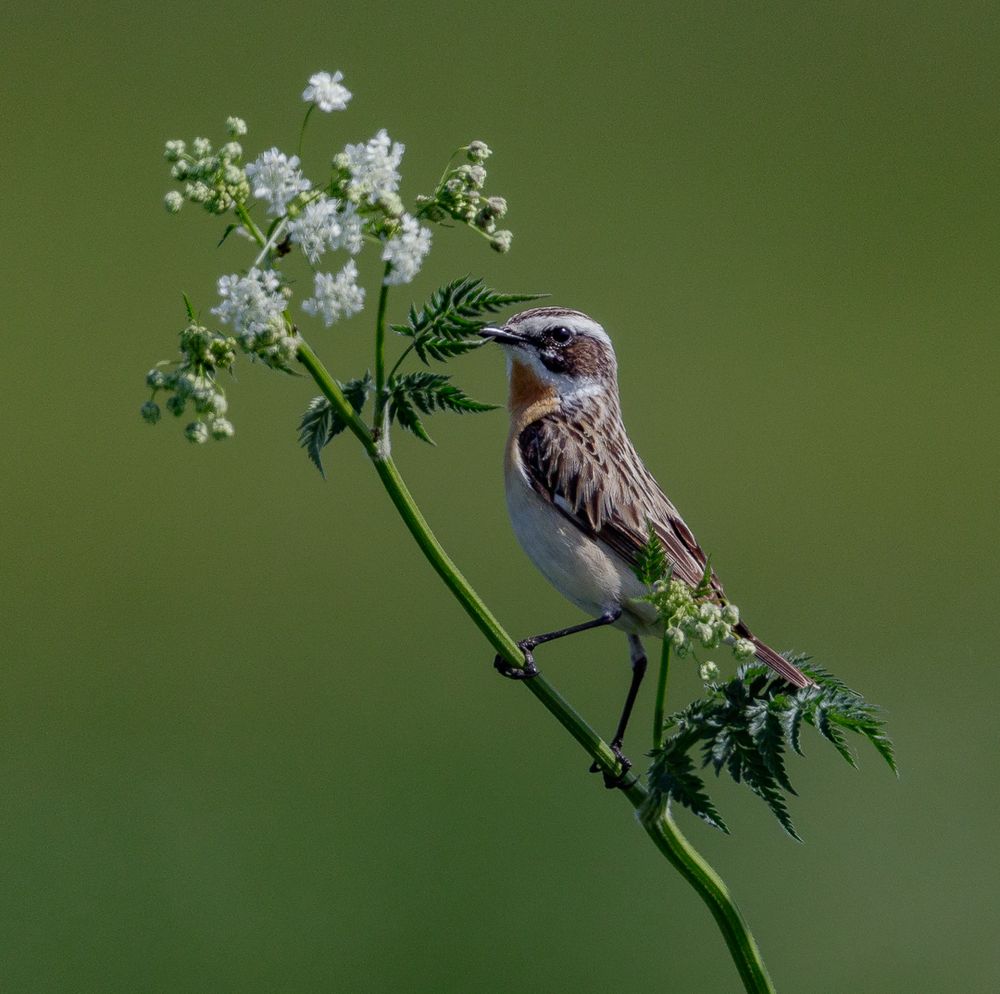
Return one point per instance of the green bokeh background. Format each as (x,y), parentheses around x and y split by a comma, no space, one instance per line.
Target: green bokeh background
(247,743)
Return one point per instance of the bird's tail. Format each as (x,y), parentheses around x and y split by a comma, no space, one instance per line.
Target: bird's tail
(778,663)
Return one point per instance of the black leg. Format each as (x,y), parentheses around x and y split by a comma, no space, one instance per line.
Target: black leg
(638,672)
(529,669)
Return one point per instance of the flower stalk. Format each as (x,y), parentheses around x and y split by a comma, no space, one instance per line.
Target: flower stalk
(656,820)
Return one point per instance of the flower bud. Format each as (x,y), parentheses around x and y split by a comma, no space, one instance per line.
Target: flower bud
(150,412)
(196,432)
(743,649)
(236,126)
(221,428)
(478,151)
(708,671)
(500,242)
(173,202)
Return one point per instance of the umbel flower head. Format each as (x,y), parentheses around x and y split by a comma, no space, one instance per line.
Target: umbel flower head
(326,91)
(358,203)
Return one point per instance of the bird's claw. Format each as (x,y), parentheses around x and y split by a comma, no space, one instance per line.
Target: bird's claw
(525,672)
(612,781)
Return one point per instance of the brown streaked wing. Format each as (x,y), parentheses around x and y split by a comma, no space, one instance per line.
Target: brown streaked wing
(587,468)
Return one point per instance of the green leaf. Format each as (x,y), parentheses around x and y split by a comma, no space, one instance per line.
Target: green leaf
(189,307)
(675,779)
(652,564)
(426,393)
(746,725)
(230,228)
(449,323)
(321,423)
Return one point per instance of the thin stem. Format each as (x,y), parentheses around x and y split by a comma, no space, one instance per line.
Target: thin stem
(661,694)
(663,830)
(655,819)
(248,222)
(302,133)
(380,351)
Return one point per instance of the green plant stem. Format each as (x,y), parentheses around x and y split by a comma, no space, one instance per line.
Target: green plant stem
(660,703)
(380,398)
(658,824)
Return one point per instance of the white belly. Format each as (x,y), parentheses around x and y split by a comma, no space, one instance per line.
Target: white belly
(585,571)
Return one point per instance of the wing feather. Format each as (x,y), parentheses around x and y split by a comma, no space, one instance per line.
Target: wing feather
(584,464)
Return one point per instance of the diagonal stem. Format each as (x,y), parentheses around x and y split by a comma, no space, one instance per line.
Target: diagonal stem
(654,818)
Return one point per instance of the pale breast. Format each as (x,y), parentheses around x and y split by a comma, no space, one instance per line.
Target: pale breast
(582,569)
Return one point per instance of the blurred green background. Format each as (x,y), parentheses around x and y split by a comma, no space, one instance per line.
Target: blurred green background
(247,743)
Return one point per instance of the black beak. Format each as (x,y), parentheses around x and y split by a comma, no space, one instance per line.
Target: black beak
(501,336)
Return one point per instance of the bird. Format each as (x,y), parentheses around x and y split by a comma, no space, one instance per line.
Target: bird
(581,501)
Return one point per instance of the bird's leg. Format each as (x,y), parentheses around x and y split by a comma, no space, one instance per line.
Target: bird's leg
(529,669)
(638,672)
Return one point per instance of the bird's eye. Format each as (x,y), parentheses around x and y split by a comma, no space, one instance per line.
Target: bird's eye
(561,335)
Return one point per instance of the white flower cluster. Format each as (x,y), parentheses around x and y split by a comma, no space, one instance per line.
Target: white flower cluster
(325,225)
(460,195)
(276,178)
(372,170)
(405,251)
(327,92)
(690,622)
(255,306)
(336,296)
(214,179)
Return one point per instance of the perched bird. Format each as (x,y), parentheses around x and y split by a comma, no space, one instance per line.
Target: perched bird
(579,497)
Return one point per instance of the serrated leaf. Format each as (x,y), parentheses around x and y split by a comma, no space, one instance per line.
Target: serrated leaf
(676,779)
(189,308)
(743,726)
(230,228)
(321,423)
(652,564)
(427,392)
(448,324)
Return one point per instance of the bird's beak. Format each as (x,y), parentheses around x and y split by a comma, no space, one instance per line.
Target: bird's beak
(501,336)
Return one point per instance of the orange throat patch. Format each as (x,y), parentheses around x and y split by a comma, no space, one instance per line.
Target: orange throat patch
(530,398)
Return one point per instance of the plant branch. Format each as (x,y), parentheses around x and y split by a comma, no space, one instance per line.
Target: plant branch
(657,822)
(380,351)
(659,706)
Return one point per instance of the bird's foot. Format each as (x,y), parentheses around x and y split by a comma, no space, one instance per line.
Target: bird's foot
(612,781)
(525,672)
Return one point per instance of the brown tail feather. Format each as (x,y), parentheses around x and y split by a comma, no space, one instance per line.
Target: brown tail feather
(779,664)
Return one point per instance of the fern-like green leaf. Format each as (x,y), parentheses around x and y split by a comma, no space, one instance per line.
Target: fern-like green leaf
(652,564)
(746,725)
(448,324)
(426,393)
(321,423)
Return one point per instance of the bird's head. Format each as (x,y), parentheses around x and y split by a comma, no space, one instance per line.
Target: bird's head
(564,352)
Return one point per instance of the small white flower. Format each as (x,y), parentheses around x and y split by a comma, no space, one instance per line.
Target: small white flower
(201,147)
(731,614)
(406,251)
(708,671)
(500,242)
(326,91)
(173,150)
(197,432)
(317,228)
(236,126)
(352,230)
(173,202)
(478,151)
(276,177)
(155,378)
(709,612)
(336,296)
(705,634)
(743,649)
(221,428)
(374,167)
(251,303)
